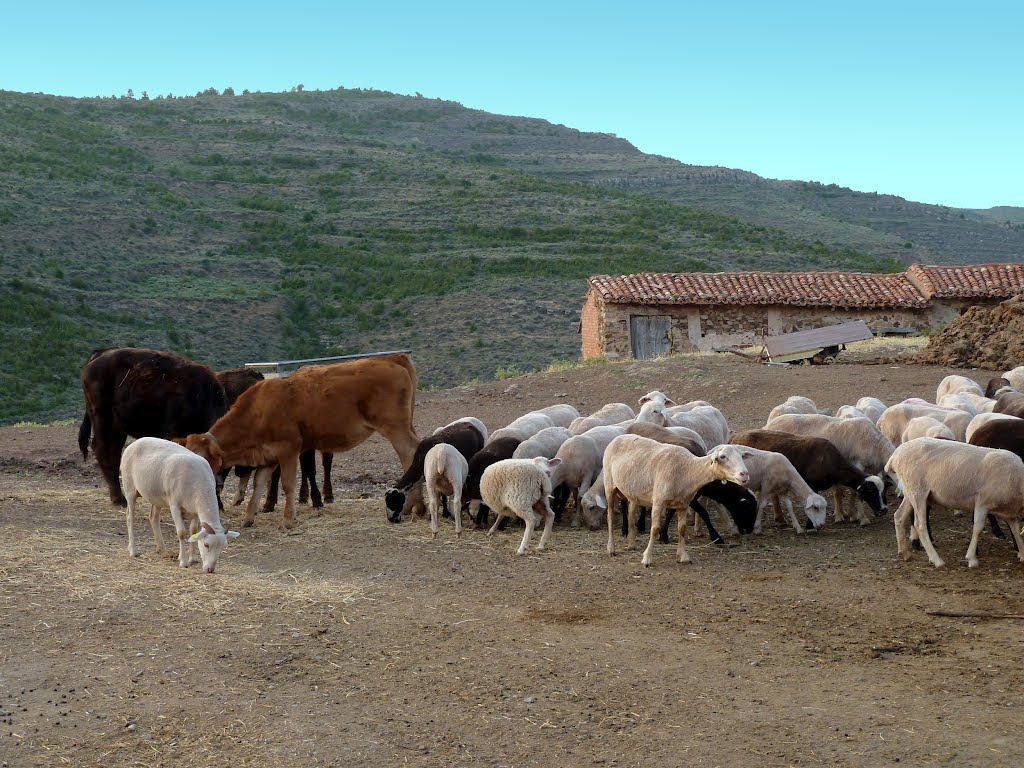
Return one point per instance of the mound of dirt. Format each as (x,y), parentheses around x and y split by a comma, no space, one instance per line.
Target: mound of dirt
(982,337)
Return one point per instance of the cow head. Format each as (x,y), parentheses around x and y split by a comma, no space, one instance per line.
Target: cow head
(206,445)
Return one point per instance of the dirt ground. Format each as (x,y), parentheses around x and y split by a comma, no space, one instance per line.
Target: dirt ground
(352,642)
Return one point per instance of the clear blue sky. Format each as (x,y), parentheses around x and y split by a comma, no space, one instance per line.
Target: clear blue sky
(920,99)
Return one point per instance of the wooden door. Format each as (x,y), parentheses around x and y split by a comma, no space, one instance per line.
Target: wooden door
(650,336)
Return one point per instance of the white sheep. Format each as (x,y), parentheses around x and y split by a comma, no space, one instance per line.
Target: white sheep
(956,476)
(793,404)
(653,412)
(707,421)
(982,419)
(651,474)
(523,428)
(926,426)
(580,460)
(611,413)
(1016,377)
(954,384)
(957,401)
(444,472)
(561,414)
(657,396)
(520,487)
(773,477)
(871,407)
(893,423)
(169,475)
(545,443)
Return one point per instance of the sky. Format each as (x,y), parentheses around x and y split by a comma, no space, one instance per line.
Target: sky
(924,100)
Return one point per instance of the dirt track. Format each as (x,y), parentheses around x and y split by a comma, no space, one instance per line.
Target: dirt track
(353,642)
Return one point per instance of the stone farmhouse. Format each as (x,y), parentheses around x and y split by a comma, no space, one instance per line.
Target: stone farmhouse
(656,314)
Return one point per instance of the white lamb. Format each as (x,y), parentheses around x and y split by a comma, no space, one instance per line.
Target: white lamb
(169,475)
(926,426)
(982,419)
(523,428)
(520,487)
(652,474)
(773,476)
(545,443)
(707,421)
(444,472)
(956,476)
(612,413)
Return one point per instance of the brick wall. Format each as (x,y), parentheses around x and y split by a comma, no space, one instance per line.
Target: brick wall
(590,328)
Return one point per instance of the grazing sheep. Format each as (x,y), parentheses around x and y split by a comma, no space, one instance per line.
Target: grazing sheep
(980,403)
(612,413)
(680,436)
(707,421)
(561,414)
(819,463)
(998,386)
(687,407)
(850,412)
(871,407)
(958,402)
(481,428)
(445,471)
(955,384)
(520,487)
(858,440)
(580,460)
(893,423)
(168,475)
(494,451)
(982,419)
(956,476)
(648,473)
(793,404)
(545,443)
(523,428)
(773,476)
(926,426)
(1015,377)
(1011,403)
(466,438)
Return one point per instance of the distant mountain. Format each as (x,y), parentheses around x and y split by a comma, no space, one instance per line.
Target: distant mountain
(232,228)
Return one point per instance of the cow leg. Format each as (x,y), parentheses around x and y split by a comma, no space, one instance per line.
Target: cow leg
(275,481)
(289,470)
(108,443)
(327,459)
(262,475)
(404,441)
(307,463)
(243,483)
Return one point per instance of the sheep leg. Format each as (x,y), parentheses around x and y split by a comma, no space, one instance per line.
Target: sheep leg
(631,531)
(154,523)
(715,537)
(900,520)
(993,524)
(788,502)
(837,499)
(682,555)
(612,497)
(980,518)
(776,508)
(762,505)
(499,514)
(531,522)
(243,483)
(656,512)
(258,486)
(457,510)
(921,523)
(541,508)
(859,506)
(432,508)
(184,559)
(1018,541)
(193,547)
(129,518)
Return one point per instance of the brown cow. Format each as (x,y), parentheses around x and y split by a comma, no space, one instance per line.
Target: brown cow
(329,408)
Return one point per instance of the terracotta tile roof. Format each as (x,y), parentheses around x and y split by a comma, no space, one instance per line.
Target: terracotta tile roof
(808,289)
(981,280)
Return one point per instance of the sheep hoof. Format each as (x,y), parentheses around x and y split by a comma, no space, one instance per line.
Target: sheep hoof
(135,552)
(972,563)
(939,563)
(520,552)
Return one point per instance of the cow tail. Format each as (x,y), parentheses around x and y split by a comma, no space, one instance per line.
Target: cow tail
(84,433)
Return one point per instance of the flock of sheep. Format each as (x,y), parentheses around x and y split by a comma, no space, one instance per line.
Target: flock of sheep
(962,452)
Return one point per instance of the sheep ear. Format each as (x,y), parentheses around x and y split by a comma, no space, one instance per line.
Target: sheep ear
(669,402)
(232,534)
(198,535)
(644,399)
(601,502)
(746,455)
(554,462)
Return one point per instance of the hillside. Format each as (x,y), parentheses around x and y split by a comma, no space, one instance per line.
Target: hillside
(257,226)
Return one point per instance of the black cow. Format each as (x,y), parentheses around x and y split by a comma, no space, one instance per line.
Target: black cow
(143,393)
